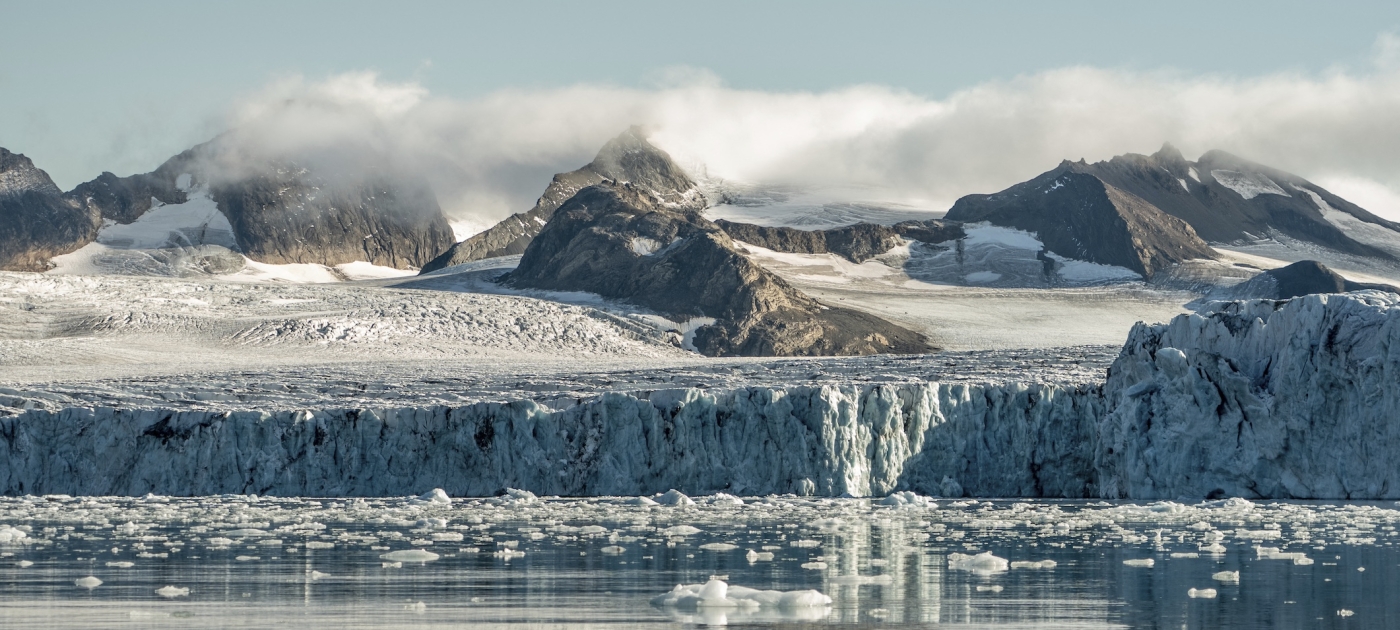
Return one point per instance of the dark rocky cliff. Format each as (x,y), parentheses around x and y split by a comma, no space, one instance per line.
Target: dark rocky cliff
(36,221)
(1078,215)
(626,158)
(622,243)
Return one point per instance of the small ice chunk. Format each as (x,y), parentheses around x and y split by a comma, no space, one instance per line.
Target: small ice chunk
(88,582)
(24,564)
(1038,564)
(674,497)
(513,496)
(1142,562)
(246,558)
(717,594)
(171,592)
(10,534)
(814,566)
(756,556)
(641,501)
(320,544)
(121,565)
(435,496)
(983,562)
(418,607)
(391,565)
(680,530)
(612,550)
(719,546)
(995,588)
(907,500)
(316,575)
(1228,577)
(1201,593)
(1345,613)
(410,555)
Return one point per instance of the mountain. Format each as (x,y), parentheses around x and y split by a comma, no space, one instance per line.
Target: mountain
(1304,277)
(1228,199)
(626,158)
(1080,215)
(857,243)
(289,211)
(36,221)
(622,242)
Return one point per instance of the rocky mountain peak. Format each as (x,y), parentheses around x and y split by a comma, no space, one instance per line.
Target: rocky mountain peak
(18,175)
(627,158)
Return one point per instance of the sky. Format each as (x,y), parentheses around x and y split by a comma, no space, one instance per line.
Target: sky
(913,101)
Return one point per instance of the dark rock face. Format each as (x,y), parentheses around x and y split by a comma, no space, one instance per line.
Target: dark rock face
(1196,192)
(622,243)
(284,212)
(626,158)
(1078,215)
(1306,277)
(291,215)
(856,243)
(36,221)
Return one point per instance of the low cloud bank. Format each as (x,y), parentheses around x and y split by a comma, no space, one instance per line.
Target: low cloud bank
(492,156)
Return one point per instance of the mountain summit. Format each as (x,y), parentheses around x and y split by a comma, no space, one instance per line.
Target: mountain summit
(626,158)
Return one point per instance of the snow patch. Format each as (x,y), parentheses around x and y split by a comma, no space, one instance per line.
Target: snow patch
(1248,185)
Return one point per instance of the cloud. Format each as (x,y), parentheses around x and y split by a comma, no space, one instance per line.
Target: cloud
(491,156)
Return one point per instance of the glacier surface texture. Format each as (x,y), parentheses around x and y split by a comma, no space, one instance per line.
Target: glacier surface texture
(1258,399)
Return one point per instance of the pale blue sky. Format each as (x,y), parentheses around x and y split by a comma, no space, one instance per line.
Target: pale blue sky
(92,86)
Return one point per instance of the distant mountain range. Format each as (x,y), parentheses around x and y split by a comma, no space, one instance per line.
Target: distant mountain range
(278,212)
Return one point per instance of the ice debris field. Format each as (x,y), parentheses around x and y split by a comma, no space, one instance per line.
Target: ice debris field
(632,561)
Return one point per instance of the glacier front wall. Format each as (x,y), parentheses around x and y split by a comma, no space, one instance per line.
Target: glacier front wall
(1020,440)
(1258,399)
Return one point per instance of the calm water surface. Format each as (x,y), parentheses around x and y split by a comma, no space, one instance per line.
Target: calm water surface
(252,562)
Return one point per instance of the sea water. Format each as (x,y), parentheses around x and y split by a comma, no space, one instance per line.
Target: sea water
(519,561)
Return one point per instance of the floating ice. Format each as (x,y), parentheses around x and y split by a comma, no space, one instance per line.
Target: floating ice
(755,556)
(680,530)
(674,497)
(1201,593)
(983,562)
(316,575)
(121,565)
(171,592)
(719,546)
(418,607)
(434,496)
(410,555)
(814,566)
(612,550)
(717,594)
(1142,562)
(1228,577)
(88,582)
(641,501)
(9,534)
(513,496)
(1273,553)
(907,499)
(24,564)
(318,544)
(1039,564)
(995,588)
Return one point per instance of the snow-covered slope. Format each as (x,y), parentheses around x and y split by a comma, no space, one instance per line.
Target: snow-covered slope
(1291,399)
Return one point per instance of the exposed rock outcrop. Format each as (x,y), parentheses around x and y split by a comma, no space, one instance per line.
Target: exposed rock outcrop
(289,212)
(856,243)
(626,158)
(623,243)
(1304,277)
(1228,199)
(37,222)
(1078,215)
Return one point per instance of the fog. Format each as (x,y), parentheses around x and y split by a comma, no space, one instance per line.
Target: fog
(491,156)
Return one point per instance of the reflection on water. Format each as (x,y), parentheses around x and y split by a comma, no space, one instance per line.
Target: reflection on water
(518,562)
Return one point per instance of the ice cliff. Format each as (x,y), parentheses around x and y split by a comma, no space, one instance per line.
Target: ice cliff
(1257,399)
(939,439)
(1262,398)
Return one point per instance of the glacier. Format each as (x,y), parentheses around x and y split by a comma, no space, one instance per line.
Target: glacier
(1255,399)
(1259,399)
(934,439)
